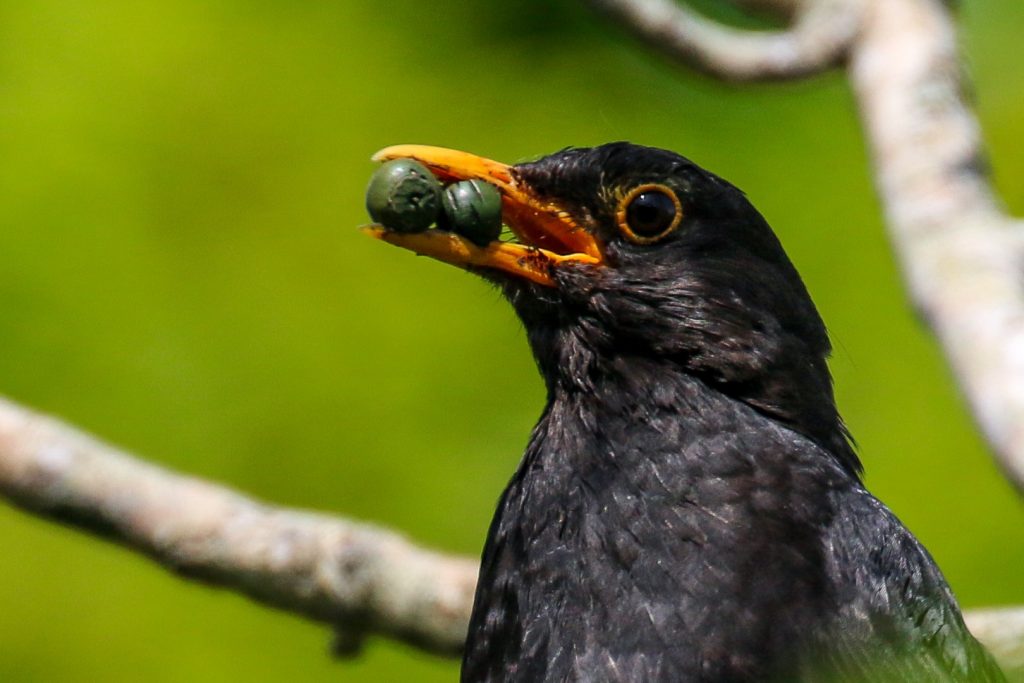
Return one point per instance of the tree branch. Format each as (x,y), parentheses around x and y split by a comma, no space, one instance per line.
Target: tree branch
(1002,633)
(820,33)
(962,257)
(358,578)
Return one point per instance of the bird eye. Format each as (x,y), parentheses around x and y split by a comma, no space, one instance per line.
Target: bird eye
(648,213)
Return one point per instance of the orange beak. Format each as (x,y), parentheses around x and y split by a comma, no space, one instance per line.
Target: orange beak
(547,234)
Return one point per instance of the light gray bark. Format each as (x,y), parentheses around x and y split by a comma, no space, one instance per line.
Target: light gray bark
(358,578)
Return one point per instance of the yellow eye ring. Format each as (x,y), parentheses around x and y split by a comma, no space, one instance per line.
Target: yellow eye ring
(648,213)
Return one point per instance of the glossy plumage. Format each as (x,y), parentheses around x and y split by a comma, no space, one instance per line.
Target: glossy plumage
(689,507)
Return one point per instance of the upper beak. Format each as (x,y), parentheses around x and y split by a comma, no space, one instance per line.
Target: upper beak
(548,235)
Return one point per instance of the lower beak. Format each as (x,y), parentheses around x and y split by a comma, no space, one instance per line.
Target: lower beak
(548,236)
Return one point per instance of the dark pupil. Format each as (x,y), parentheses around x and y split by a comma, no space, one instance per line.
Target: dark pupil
(650,213)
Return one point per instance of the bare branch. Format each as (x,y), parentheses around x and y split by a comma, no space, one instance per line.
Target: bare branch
(821,31)
(355,577)
(1002,632)
(962,258)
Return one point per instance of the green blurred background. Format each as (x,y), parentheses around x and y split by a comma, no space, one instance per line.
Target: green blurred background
(180,274)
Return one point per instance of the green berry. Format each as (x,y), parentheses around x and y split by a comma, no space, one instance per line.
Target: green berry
(403,196)
(472,208)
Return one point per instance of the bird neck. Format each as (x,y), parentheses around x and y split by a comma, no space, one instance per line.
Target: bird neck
(639,413)
(582,368)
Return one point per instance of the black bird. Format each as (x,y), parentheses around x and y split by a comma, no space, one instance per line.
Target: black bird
(689,507)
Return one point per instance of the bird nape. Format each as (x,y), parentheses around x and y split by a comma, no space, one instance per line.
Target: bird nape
(689,506)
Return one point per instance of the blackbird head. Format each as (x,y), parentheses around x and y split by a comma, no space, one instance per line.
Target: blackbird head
(631,252)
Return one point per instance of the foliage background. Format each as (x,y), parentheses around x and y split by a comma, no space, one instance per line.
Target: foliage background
(180,274)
